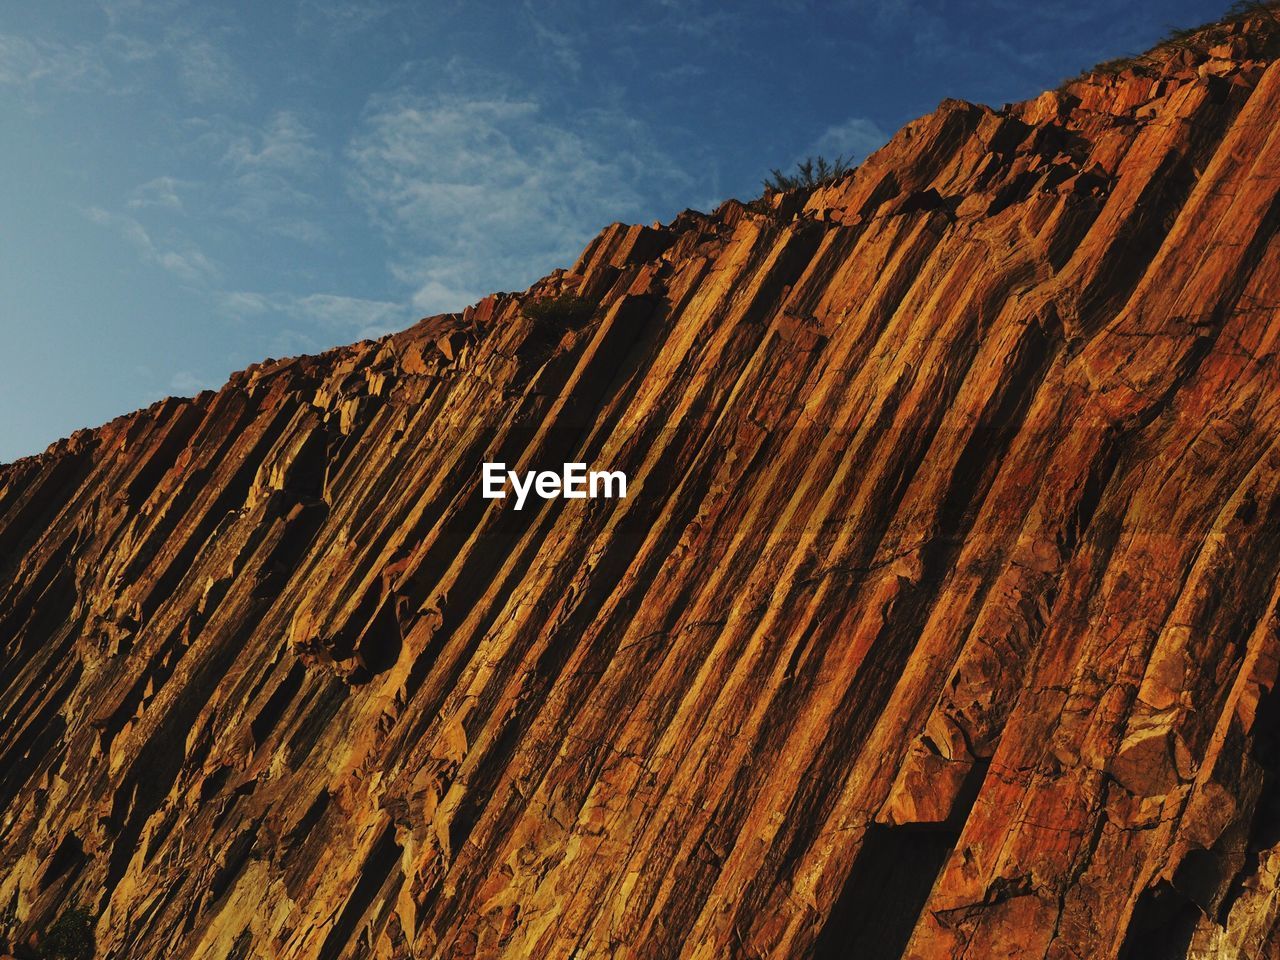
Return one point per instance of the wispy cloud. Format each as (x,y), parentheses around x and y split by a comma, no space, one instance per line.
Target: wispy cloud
(28,62)
(560,45)
(128,49)
(117,61)
(119,11)
(697,19)
(366,318)
(160,193)
(263,176)
(854,139)
(482,191)
(324,316)
(206,70)
(284,143)
(186,262)
(341,18)
(185,383)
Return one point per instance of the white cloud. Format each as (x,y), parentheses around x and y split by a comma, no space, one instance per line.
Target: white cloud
(284,144)
(273,166)
(162,193)
(367,318)
(290,342)
(186,383)
(120,10)
(683,73)
(338,316)
(440,288)
(853,139)
(26,63)
(128,49)
(243,303)
(484,192)
(187,263)
(340,18)
(560,45)
(118,61)
(694,18)
(190,265)
(265,175)
(207,72)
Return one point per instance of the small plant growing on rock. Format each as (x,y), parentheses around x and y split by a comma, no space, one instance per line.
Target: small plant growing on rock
(567,309)
(810,172)
(1180,37)
(1244,9)
(70,937)
(1186,38)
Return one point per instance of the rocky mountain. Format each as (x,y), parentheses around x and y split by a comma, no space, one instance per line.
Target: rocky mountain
(939,620)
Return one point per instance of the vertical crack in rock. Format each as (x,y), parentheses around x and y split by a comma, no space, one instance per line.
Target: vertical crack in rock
(890,883)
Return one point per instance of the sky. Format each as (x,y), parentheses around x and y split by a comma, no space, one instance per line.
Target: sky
(189,187)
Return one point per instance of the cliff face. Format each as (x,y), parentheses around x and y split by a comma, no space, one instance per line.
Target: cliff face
(940,618)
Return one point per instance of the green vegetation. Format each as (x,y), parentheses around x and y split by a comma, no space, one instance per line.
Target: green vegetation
(1118,65)
(70,937)
(1180,37)
(1243,9)
(566,309)
(1183,38)
(810,172)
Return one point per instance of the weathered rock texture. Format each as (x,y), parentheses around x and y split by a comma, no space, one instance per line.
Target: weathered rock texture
(940,619)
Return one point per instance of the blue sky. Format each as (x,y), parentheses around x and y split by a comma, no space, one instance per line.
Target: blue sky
(189,187)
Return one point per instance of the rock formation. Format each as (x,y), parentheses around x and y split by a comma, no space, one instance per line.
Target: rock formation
(940,619)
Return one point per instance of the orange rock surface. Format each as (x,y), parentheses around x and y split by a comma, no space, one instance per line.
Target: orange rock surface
(940,619)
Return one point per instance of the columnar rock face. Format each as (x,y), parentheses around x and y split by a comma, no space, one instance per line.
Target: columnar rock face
(940,619)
